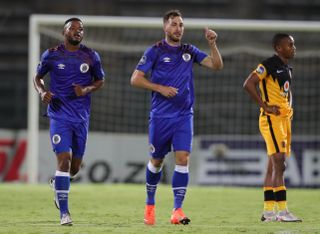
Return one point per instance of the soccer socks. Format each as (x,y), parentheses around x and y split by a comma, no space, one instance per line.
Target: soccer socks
(153,176)
(269,199)
(280,194)
(180,181)
(62,186)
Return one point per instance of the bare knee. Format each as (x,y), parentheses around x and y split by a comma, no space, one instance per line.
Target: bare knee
(182,158)
(64,161)
(278,161)
(156,162)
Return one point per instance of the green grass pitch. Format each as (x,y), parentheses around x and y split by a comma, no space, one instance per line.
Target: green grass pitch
(118,208)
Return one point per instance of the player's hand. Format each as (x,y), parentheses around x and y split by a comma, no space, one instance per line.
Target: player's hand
(79,90)
(272,109)
(168,91)
(211,36)
(46,97)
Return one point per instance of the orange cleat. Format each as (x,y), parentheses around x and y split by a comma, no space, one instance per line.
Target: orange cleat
(149,215)
(178,217)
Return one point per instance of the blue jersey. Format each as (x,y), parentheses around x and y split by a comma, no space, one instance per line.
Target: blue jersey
(67,68)
(171,66)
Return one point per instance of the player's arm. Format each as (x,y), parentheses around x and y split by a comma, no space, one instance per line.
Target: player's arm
(250,85)
(38,83)
(214,60)
(82,91)
(139,80)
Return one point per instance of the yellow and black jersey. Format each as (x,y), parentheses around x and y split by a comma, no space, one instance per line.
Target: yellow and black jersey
(275,80)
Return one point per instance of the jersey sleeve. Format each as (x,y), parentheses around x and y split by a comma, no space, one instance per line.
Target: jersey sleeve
(261,71)
(44,64)
(199,55)
(147,60)
(97,70)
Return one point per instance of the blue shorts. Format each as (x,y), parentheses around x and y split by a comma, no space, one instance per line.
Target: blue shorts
(69,137)
(165,133)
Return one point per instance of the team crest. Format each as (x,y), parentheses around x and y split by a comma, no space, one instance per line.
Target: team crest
(143,60)
(61,66)
(151,148)
(84,67)
(260,70)
(186,57)
(286,86)
(56,139)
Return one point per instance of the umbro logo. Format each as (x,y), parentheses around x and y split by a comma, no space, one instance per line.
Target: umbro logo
(61,66)
(166,59)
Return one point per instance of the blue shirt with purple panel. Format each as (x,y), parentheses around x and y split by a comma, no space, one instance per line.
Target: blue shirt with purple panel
(66,69)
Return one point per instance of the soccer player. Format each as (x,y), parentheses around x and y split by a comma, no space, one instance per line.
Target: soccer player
(171,117)
(75,72)
(274,77)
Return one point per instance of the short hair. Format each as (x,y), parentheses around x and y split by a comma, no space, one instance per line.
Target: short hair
(277,38)
(72,19)
(170,14)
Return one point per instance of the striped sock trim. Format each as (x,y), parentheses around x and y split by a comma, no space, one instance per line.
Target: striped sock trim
(62,173)
(182,169)
(154,169)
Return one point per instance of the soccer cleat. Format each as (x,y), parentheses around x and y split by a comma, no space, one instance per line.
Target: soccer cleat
(149,215)
(66,220)
(178,217)
(286,216)
(55,199)
(268,216)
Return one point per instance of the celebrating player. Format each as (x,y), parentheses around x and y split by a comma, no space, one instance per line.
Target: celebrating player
(274,77)
(75,72)
(171,115)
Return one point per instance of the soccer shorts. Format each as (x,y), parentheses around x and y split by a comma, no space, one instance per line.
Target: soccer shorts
(69,137)
(276,132)
(167,133)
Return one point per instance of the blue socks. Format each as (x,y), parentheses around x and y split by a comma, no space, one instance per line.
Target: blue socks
(153,176)
(180,181)
(62,186)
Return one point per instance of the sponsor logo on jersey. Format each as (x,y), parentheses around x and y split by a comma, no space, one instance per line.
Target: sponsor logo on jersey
(84,67)
(151,148)
(143,60)
(260,70)
(286,86)
(61,66)
(56,139)
(166,59)
(279,71)
(186,57)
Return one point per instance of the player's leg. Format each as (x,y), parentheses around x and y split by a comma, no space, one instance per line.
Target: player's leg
(61,137)
(267,132)
(269,199)
(62,186)
(159,140)
(280,190)
(180,181)
(79,143)
(182,141)
(153,176)
(275,133)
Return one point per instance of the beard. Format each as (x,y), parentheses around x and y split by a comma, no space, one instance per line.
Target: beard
(73,41)
(174,39)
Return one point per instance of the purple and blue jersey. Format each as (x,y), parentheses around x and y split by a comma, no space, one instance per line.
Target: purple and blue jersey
(171,122)
(171,66)
(67,68)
